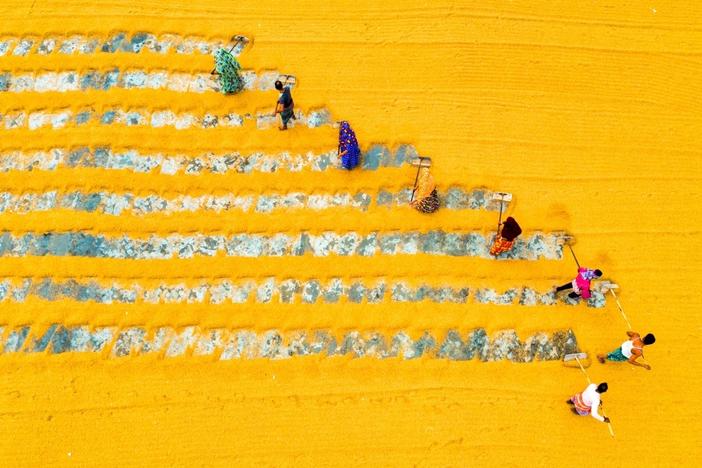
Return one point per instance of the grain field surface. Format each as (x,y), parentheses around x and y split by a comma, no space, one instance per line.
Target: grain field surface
(181,284)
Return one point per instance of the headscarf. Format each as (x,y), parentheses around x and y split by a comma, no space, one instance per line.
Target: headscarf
(588,274)
(510,229)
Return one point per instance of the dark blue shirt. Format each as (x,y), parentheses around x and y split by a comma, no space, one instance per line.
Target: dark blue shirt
(286,98)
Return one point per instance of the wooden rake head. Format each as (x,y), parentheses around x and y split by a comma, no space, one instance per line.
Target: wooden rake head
(576,360)
(422,161)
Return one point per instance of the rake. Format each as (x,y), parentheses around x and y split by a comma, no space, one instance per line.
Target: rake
(577,357)
(502,197)
(568,239)
(287,79)
(420,162)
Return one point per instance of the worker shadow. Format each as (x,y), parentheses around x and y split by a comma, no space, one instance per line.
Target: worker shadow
(558,211)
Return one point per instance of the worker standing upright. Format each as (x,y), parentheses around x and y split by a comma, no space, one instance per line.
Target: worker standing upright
(349,151)
(285,105)
(424,196)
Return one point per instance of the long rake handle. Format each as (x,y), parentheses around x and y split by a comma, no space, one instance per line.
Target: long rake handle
(626,319)
(609,425)
(414,187)
(499,219)
(620,309)
(584,371)
(574,257)
(238,41)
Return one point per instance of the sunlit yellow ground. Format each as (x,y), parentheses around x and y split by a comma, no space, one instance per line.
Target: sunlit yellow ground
(589,112)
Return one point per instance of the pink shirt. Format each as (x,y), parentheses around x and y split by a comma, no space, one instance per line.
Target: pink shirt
(582,285)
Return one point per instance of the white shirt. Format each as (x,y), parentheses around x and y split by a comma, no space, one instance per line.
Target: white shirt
(627,348)
(592,399)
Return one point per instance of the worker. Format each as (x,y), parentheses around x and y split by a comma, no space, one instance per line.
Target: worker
(285,105)
(581,284)
(504,240)
(349,151)
(589,401)
(630,350)
(424,197)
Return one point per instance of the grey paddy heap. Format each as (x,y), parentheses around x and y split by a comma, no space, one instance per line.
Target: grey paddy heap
(273,290)
(224,344)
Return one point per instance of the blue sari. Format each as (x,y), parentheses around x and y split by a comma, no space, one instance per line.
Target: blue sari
(349,151)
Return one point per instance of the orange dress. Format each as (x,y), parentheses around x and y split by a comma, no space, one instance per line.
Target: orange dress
(500,245)
(505,239)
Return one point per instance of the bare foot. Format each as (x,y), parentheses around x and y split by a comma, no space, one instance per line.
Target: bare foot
(601,358)
(285,127)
